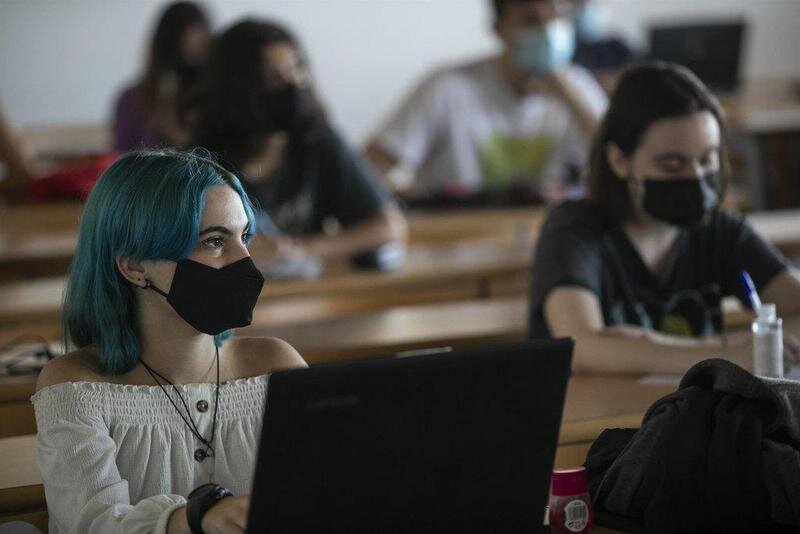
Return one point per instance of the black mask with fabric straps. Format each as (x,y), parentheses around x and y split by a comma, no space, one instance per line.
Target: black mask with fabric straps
(681,201)
(214,300)
(288,107)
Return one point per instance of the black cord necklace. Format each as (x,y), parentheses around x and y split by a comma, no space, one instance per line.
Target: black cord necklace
(199,454)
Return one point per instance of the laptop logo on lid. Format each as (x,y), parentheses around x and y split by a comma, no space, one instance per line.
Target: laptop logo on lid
(332,403)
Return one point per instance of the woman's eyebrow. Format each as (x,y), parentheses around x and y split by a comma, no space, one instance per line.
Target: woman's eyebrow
(670,155)
(223,230)
(220,229)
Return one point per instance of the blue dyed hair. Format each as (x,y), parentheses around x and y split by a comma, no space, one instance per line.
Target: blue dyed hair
(147,206)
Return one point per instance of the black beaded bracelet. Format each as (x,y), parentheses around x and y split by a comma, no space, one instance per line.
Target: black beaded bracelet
(200,500)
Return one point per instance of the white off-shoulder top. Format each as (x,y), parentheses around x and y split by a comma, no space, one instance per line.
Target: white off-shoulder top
(118,458)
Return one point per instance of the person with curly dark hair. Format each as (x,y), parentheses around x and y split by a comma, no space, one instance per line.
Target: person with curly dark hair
(259,114)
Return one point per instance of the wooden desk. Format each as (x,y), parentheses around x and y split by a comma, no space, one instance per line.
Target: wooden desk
(779,227)
(440,267)
(592,404)
(369,335)
(39,240)
(21,490)
(466,270)
(16,411)
(764,105)
(67,140)
(764,121)
(404,328)
(424,226)
(383,333)
(761,105)
(31,220)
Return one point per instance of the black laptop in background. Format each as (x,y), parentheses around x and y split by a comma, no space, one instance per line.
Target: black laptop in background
(713,51)
(458,441)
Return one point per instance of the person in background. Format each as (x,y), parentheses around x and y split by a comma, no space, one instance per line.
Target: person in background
(259,114)
(636,272)
(19,169)
(148,113)
(152,422)
(519,121)
(604,55)
(24,179)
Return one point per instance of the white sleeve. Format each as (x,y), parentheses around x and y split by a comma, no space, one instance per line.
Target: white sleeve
(595,96)
(410,133)
(84,490)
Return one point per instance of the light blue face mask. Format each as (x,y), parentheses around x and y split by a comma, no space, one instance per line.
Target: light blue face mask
(591,22)
(545,49)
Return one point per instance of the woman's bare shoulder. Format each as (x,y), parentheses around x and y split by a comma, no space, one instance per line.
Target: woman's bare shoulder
(77,366)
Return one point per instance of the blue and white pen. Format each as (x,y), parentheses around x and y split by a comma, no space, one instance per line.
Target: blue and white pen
(750,291)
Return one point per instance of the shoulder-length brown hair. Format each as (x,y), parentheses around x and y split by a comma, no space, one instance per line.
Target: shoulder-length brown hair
(232,113)
(644,94)
(164,56)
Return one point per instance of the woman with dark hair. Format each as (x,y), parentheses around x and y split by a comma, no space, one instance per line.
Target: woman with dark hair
(146,114)
(259,115)
(636,272)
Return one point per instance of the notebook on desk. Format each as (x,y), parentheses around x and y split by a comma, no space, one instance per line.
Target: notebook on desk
(460,441)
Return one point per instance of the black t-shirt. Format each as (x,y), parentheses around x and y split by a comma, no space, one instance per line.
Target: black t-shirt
(322,179)
(704,265)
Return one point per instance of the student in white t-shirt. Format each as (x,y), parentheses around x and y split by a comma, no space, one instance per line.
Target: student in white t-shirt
(522,118)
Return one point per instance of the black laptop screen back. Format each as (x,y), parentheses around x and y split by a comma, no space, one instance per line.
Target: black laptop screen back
(462,441)
(711,51)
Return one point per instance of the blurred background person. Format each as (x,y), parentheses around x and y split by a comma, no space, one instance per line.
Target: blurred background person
(636,272)
(19,169)
(24,178)
(515,122)
(146,114)
(259,114)
(596,49)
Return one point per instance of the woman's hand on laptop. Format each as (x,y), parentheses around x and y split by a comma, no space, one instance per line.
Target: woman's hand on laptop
(228,516)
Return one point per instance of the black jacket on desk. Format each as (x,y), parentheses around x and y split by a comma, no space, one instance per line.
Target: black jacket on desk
(721,454)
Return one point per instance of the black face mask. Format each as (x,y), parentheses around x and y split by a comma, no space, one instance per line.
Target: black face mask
(681,201)
(288,108)
(214,300)
(187,73)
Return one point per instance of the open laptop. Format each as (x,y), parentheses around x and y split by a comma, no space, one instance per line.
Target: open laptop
(712,51)
(458,441)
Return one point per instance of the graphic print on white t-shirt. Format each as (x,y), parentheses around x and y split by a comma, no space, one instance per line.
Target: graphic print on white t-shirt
(466,128)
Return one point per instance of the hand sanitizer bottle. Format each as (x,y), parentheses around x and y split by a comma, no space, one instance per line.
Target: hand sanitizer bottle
(768,342)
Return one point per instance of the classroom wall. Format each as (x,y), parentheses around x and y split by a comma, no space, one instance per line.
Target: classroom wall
(61,61)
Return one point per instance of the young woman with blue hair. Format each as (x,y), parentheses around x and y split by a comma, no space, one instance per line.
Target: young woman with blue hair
(157,402)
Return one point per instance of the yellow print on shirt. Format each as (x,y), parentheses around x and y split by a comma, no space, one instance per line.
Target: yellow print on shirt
(507,160)
(676,325)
